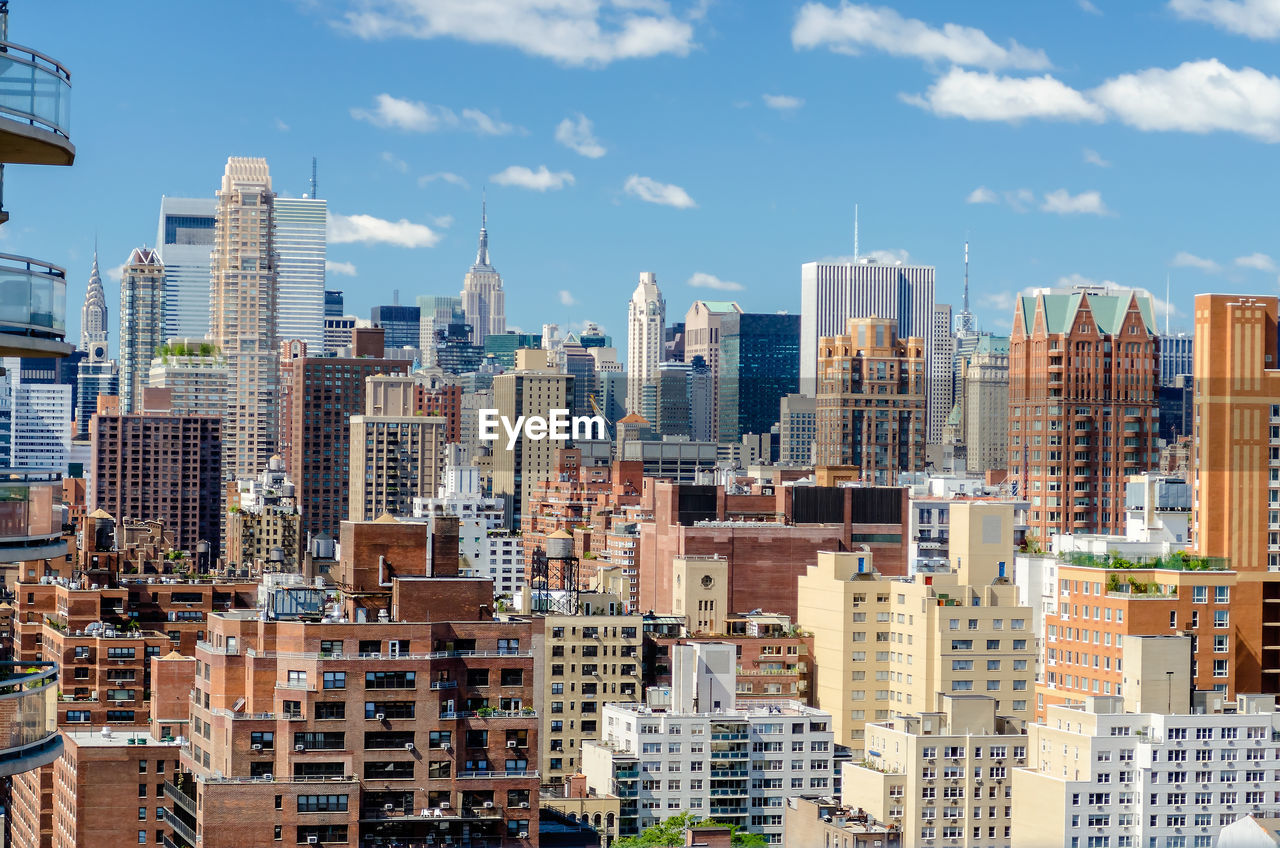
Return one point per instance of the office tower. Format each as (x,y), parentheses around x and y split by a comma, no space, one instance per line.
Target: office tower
(93,315)
(671,383)
(1177,405)
(673,342)
(986,645)
(402,324)
(1082,405)
(396,455)
(142,323)
(704,707)
(531,389)
(1176,350)
(265,528)
(483,301)
(41,416)
(95,377)
(194,374)
(163,467)
(702,338)
(435,314)
(831,293)
(34,130)
(503,346)
(337,332)
(333,303)
(243,312)
(299,243)
(759,365)
(798,418)
(942,392)
(323,394)
(986,405)
(185,244)
(871,400)
(456,353)
(578,362)
(646,323)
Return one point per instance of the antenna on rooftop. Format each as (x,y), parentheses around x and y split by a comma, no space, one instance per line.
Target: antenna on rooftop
(313,178)
(1168,307)
(855,232)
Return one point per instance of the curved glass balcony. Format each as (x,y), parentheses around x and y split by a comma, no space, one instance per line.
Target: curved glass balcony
(30,514)
(33,305)
(35,101)
(28,716)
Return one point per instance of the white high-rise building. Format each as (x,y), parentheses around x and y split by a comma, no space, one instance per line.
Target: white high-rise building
(300,248)
(483,300)
(40,419)
(184,242)
(244,306)
(646,323)
(832,293)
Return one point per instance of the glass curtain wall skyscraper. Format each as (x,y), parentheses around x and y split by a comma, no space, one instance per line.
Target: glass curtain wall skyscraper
(300,248)
(184,242)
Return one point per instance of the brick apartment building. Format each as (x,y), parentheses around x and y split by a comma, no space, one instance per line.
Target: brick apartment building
(756,544)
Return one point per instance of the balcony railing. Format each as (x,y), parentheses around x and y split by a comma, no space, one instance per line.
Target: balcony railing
(35,89)
(30,526)
(28,716)
(33,294)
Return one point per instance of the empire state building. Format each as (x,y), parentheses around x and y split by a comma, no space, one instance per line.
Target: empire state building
(483,300)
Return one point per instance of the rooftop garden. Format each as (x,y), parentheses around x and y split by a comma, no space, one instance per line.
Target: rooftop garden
(1176,561)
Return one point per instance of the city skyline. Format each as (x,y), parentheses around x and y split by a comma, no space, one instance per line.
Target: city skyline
(380,136)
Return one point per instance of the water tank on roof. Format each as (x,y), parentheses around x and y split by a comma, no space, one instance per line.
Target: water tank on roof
(559,548)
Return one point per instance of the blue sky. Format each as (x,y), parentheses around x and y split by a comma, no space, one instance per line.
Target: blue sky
(718,142)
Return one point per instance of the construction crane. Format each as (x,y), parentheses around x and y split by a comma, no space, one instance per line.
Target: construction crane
(595,407)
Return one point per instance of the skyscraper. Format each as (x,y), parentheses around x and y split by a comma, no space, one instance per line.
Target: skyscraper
(759,366)
(300,250)
(832,293)
(1082,405)
(184,243)
(244,303)
(142,325)
(646,323)
(93,315)
(400,323)
(435,314)
(702,338)
(483,301)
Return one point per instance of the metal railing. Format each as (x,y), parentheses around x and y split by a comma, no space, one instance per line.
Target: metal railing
(35,89)
(33,294)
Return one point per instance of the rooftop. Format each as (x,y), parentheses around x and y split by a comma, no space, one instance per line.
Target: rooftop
(108,738)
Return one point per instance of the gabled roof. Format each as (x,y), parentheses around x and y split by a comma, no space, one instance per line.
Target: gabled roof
(1061,310)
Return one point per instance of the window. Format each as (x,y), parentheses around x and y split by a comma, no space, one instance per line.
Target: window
(335,680)
(389,680)
(331,710)
(322,803)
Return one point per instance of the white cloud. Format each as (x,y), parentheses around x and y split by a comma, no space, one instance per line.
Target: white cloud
(578,135)
(1020,199)
(444,222)
(445,176)
(1257,261)
(1182,259)
(1258,19)
(652,191)
(982,194)
(1063,202)
(116,273)
(1093,157)
(782,102)
(981,96)
(1086,6)
(366,229)
(539,180)
(853,26)
(1198,97)
(416,116)
(394,161)
(281,125)
(711,281)
(567,298)
(344,268)
(571,32)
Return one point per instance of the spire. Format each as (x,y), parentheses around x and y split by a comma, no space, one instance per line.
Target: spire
(966,278)
(482,254)
(93,315)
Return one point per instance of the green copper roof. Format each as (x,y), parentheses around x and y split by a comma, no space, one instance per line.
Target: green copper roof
(1108,310)
(992,344)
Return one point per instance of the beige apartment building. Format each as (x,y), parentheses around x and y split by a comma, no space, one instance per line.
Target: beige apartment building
(243,304)
(587,661)
(394,459)
(194,373)
(885,647)
(944,777)
(532,389)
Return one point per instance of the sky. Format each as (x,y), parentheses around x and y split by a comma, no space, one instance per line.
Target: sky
(719,144)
